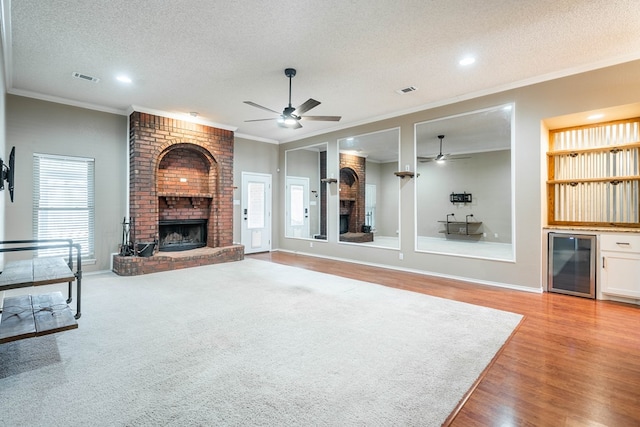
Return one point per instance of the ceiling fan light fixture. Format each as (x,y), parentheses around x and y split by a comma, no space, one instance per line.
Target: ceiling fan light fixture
(466,61)
(290,121)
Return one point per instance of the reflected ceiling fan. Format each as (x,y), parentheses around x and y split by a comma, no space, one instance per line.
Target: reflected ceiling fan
(440,158)
(291,116)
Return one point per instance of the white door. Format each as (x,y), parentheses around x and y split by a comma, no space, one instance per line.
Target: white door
(256,212)
(297,207)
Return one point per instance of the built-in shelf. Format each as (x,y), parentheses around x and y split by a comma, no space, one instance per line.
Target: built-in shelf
(615,180)
(575,152)
(594,165)
(403,174)
(329,180)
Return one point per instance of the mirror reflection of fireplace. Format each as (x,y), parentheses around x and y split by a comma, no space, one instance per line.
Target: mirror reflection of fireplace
(182,235)
(344,223)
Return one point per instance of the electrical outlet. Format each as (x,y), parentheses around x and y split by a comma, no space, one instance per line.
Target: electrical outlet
(401,256)
(310,244)
(484,234)
(495,235)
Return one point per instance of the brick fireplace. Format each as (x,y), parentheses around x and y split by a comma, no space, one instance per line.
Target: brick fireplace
(180,175)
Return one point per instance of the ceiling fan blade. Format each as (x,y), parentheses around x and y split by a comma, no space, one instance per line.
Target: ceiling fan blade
(306,106)
(424,159)
(261,120)
(253,104)
(323,118)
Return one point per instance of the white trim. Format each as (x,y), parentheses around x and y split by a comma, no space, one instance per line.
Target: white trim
(422,272)
(185,117)
(256,138)
(65,101)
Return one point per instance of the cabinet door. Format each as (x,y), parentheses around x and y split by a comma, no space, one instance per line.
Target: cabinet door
(621,274)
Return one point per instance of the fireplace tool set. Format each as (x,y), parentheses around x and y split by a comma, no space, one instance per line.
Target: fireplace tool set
(127,248)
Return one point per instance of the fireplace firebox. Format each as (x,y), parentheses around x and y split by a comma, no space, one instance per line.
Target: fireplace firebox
(344,223)
(182,235)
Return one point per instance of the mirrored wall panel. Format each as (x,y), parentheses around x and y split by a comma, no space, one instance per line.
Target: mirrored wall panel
(464,194)
(368,189)
(305,194)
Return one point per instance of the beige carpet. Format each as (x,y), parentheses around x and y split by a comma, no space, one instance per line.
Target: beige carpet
(250,343)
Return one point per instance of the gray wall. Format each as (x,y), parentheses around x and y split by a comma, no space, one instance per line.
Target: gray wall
(388,200)
(257,157)
(38,126)
(487,176)
(35,126)
(608,87)
(3,152)
(306,164)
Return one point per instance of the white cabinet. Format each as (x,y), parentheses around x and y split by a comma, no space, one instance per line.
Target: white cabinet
(620,265)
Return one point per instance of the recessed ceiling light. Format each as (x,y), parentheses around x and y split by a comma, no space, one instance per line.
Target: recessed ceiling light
(467,61)
(595,116)
(123,79)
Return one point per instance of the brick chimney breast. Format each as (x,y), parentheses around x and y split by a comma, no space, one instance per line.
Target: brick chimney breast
(180,170)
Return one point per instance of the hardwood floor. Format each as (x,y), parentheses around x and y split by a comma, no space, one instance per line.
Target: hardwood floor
(572,361)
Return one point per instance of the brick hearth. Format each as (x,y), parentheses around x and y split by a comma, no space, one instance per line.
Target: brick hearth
(166,261)
(179,171)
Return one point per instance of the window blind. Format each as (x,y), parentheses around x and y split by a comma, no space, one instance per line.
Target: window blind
(64,202)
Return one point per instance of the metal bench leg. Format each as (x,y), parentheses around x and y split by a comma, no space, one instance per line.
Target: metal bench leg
(78,288)
(70,294)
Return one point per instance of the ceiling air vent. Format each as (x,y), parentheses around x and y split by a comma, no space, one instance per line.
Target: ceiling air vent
(407,90)
(85,77)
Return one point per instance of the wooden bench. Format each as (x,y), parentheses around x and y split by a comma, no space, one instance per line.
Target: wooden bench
(27,316)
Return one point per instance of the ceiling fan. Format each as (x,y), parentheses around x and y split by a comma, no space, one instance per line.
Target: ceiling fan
(291,116)
(440,158)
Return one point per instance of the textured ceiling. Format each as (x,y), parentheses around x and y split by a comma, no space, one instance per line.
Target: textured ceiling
(210,56)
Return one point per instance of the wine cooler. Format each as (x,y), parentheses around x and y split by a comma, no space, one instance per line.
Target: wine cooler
(572,264)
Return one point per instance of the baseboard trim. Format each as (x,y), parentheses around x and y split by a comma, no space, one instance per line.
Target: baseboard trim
(422,272)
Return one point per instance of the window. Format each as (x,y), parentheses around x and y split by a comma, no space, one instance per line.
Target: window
(63,202)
